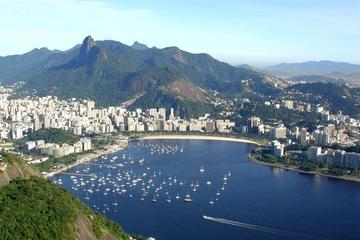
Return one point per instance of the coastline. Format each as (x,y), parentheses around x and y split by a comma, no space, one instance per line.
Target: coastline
(314,173)
(119,147)
(89,157)
(198,137)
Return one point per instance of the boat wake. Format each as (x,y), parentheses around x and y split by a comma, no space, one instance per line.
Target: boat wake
(263,228)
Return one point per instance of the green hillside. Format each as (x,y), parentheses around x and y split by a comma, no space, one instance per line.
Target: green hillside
(36,209)
(33,208)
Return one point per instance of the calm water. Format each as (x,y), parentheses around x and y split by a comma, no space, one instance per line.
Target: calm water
(257,202)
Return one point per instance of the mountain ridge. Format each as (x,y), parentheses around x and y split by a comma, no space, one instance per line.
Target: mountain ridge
(321,67)
(111,72)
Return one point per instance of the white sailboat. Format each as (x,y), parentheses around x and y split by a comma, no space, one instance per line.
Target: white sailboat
(188,198)
(168,198)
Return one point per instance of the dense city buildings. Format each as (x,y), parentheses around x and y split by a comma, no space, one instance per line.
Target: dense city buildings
(18,117)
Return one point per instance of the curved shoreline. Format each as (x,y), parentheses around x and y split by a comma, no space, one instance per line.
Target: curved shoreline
(116,148)
(206,138)
(87,158)
(198,137)
(278,165)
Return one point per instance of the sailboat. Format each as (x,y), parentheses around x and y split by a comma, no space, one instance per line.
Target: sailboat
(218,193)
(168,199)
(177,196)
(154,199)
(188,198)
(202,169)
(211,201)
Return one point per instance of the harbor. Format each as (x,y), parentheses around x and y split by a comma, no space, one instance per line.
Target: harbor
(127,176)
(158,187)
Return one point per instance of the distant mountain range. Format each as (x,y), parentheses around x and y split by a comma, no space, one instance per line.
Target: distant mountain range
(111,72)
(318,71)
(313,68)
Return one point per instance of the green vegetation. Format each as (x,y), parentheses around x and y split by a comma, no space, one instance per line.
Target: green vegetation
(10,158)
(183,108)
(112,72)
(271,114)
(54,135)
(37,209)
(15,160)
(305,165)
(355,148)
(24,203)
(57,162)
(296,147)
(338,97)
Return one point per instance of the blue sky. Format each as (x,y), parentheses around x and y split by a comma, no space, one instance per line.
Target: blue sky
(250,31)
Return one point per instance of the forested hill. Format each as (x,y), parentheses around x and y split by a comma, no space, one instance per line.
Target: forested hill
(33,208)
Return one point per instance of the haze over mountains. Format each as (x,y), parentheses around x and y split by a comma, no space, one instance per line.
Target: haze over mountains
(318,71)
(111,72)
(313,68)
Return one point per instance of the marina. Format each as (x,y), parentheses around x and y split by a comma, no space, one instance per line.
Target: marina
(157,180)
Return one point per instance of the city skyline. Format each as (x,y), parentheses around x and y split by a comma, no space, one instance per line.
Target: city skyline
(251,32)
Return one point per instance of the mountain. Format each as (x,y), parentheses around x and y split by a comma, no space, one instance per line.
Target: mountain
(18,67)
(139,46)
(34,208)
(247,66)
(313,68)
(111,72)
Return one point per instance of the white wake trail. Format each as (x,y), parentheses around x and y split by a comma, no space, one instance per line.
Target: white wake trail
(262,228)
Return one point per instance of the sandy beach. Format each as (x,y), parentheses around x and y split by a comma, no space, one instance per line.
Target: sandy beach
(197,137)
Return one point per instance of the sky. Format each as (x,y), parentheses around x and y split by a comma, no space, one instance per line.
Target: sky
(256,32)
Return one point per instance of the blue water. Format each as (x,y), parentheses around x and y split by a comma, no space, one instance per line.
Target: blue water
(278,204)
